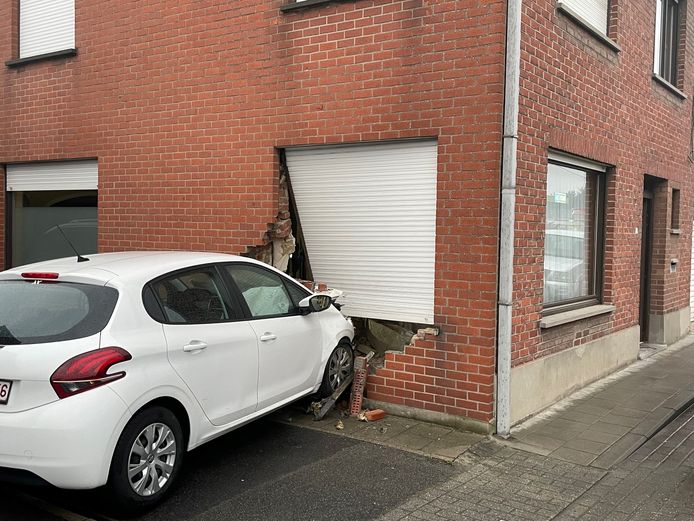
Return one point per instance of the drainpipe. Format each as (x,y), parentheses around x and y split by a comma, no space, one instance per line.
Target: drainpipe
(508,219)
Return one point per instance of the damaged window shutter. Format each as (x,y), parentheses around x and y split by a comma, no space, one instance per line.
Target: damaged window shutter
(368,214)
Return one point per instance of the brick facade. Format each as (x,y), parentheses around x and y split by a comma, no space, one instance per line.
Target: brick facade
(580,96)
(186,104)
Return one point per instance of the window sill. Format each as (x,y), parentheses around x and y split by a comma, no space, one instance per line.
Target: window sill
(65,53)
(575,315)
(675,231)
(669,86)
(301,4)
(609,42)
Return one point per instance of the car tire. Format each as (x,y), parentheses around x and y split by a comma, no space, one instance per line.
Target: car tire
(146,461)
(339,366)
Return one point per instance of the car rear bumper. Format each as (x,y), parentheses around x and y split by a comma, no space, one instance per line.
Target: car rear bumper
(68,443)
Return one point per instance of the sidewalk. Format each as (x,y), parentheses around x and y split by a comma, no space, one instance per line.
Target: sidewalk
(428,439)
(603,423)
(610,452)
(597,426)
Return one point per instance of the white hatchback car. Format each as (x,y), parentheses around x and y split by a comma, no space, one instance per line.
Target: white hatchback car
(111,369)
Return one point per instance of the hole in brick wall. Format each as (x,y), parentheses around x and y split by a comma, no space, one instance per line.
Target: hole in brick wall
(380,336)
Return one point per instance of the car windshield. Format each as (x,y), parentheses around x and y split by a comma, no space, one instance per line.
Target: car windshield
(36,313)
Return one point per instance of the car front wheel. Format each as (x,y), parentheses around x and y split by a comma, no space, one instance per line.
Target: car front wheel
(147,459)
(338,368)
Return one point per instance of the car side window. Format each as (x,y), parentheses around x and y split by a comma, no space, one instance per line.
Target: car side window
(264,292)
(297,293)
(192,297)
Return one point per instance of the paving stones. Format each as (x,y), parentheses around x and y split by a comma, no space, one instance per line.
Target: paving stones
(432,440)
(498,482)
(501,483)
(606,456)
(605,425)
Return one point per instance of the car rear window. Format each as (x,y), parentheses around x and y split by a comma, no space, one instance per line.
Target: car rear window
(36,313)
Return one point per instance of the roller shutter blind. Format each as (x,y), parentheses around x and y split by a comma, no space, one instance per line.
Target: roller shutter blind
(60,175)
(593,12)
(368,214)
(46,26)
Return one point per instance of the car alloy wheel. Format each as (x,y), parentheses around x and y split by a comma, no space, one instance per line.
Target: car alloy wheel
(339,366)
(152,459)
(146,461)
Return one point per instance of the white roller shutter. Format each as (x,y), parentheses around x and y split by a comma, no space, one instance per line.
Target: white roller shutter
(593,12)
(59,175)
(368,214)
(46,26)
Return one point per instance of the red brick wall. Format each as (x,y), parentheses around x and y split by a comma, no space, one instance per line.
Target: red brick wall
(580,96)
(184,104)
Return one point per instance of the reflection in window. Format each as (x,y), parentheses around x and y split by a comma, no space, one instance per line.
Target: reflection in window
(36,216)
(571,234)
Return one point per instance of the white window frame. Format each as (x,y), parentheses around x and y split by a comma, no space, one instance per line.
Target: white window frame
(659,37)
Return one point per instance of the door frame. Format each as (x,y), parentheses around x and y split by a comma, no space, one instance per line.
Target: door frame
(646,262)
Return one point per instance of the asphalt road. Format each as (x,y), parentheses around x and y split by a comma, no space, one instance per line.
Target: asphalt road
(264,471)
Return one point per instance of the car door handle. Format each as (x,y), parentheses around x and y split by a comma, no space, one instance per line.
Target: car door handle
(194,346)
(266,337)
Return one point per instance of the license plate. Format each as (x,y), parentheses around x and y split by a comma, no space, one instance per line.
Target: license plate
(5,387)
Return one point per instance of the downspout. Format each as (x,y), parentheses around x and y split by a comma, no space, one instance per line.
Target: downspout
(508,218)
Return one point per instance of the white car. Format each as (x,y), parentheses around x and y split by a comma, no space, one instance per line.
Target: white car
(111,369)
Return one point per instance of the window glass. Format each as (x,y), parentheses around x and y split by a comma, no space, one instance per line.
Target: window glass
(666,39)
(35,313)
(192,297)
(570,233)
(36,216)
(297,293)
(264,291)
(675,215)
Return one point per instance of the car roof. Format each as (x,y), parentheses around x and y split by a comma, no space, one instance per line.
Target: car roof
(134,266)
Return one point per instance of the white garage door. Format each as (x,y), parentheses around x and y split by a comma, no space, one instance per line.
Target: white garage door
(368,214)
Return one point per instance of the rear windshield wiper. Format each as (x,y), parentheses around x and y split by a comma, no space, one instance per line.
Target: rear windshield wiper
(7,338)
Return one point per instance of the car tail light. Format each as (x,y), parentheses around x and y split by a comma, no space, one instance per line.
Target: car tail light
(40,275)
(88,371)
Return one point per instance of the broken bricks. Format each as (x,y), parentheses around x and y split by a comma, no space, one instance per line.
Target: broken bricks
(371,416)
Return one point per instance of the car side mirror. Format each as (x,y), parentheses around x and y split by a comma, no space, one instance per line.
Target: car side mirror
(315,303)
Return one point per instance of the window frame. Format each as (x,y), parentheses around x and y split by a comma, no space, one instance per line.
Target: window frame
(675,215)
(239,296)
(666,41)
(598,170)
(49,53)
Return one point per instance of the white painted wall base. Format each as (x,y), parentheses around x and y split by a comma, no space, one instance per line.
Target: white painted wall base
(458,422)
(538,384)
(668,329)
